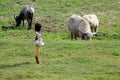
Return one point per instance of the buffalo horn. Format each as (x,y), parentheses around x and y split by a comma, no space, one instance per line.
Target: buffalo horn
(85,33)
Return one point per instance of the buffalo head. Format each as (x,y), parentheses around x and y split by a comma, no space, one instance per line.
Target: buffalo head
(17,19)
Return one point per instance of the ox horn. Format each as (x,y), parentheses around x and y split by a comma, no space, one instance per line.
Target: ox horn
(85,33)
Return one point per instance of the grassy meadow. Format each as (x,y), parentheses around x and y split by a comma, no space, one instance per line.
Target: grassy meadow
(62,59)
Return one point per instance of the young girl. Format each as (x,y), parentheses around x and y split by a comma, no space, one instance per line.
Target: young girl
(38,40)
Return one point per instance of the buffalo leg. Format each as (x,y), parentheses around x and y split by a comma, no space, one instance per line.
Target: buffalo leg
(29,24)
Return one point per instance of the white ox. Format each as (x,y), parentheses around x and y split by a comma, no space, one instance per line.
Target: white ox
(94,22)
(79,27)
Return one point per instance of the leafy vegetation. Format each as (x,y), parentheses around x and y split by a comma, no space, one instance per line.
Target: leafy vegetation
(62,59)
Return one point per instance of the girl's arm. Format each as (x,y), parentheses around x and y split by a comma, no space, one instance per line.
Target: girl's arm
(36,37)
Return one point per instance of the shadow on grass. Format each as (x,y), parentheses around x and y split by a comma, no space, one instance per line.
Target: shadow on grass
(6,28)
(13,65)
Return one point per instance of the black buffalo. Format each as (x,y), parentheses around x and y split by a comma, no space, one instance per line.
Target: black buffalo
(26,13)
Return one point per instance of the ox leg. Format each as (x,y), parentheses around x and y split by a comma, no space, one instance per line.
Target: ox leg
(71,36)
(23,22)
(75,37)
(82,37)
(92,30)
(96,29)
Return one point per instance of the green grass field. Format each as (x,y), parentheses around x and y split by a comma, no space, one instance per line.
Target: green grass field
(62,59)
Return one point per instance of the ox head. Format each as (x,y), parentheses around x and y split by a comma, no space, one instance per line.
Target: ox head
(17,19)
(87,35)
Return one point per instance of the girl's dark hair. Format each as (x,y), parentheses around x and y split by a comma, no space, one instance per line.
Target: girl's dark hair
(38,27)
